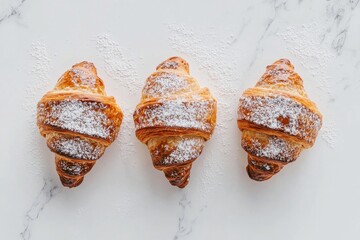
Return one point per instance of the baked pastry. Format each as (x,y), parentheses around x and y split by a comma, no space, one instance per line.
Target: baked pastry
(174,118)
(79,121)
(277,120)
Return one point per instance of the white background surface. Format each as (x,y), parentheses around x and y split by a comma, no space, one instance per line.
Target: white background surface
(228,45)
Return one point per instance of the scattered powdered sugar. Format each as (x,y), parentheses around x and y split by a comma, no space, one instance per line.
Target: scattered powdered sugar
(177,113)
(42,66)
(118,65)
(39,83)
(280,113)
(187,149)
(214,59)
(40,79)
(328,133)
(307,43)
(74,115)
(164,84)
(77,148)
(275,149)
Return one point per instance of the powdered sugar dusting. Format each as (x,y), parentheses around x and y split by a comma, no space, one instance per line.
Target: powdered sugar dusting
(209,58)
(170,65)
(39,83)
(275,149)
(328,134)
(263,166)
(164,84)
(85,77)
(187,149)
(118,65)
(177,113)
(73,168)
(307,43)
(280,113)
(278,74)
(77,148)
(74,115)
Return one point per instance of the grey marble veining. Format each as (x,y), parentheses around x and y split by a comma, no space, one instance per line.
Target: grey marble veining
(186,220)
(46,194)
(13,9)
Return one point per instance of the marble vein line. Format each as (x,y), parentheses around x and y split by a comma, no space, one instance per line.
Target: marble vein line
(341,15)
(48,191)
(186,221)
(277,8)
(339,41)
(240,32)
(13,11)
(354,3)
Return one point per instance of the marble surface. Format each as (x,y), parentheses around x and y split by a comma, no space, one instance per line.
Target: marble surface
(228,45)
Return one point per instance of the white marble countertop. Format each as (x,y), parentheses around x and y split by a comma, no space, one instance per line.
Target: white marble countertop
(228,45)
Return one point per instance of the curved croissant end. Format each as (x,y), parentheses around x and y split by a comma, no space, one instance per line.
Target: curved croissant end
(78,121)
(277,119)
(174,119)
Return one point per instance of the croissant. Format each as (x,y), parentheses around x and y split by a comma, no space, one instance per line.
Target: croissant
(277,120)
(79,121)
(174,119)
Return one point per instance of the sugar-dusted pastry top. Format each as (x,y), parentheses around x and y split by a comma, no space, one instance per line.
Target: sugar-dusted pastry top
(172,99)
(90,118)
(281,76)
(281,113)
(193,112)
(79,104)
(81,77)
(278,105)
(162,84)
(270,147)
(75,147)
(73,168)
(175,150)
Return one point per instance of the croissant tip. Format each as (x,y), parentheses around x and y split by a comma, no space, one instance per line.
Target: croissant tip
(256,176)
(178,176)
(70,182)
(283,61)
(87,65)
(175,58)
(174,63)
(180,185)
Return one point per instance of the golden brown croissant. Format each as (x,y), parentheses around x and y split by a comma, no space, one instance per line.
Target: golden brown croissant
(174,119)
(277,120)
(78,121)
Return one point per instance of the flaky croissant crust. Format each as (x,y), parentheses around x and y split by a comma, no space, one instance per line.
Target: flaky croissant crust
(277,119)
(79,121)
(174,118)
